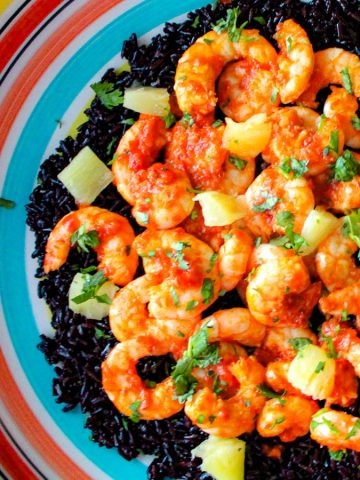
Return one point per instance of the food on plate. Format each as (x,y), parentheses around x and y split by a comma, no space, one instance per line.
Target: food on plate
(238,308)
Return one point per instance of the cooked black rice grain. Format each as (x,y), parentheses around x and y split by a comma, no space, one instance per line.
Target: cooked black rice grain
(79,345)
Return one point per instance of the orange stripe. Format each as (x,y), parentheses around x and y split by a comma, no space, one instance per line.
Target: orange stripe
(22,29)
(33,431)
(46,54)
(12,462)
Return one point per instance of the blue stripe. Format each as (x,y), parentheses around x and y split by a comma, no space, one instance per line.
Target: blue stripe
(19,182)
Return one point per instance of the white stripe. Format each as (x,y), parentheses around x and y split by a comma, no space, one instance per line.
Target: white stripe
(10,10)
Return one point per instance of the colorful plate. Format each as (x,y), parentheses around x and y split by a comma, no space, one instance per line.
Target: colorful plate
(50,52)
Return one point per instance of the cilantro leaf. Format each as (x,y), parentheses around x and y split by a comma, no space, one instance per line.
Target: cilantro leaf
(333,143)
(353,430)
(355,121)
(229,24)
(291,239)
(289,44)
(351,227)
(277,422)
(237,162)
(265,391)
(84,239)
(319,367)
(91,286)
(136,415)
(269,204)
(293,166)
(108,94)
(260,20)
(207,290)
(347,80)
(274,95)
(174,296)
(346,167)
(196,21)
(169,119)
(299,343)
(187,120)
(217,123)
(338,455)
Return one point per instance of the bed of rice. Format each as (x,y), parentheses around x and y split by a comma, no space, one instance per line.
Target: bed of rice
(79,345)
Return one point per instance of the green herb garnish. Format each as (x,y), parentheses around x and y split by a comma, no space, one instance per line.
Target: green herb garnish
(293,166)
(265,391)
(84,239)
(207,290)
(136,415)
(108,94)
(347,80)
(269,204)
(91,286)
(239,163)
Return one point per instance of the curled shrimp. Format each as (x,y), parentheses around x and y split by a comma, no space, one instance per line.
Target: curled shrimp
(279,292)
(129,317)
(336,430)
(344,300)
(230,417)
(334,262)
(202,63)
(332,66)
(295,61)
(345,390)
(344,340)
(234,256)
(298,132)
(280,417)
(116,256)
(128,391)
(186,269)
(343,105)
(246,88)
(277,344)
(161,196)
(285,194)
(277,378)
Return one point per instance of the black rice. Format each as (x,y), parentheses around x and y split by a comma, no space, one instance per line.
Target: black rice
(79,345)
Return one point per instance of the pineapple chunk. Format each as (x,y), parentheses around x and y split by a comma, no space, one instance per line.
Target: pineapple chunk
(220,209)
(86,176)
(313,372)
(318,225)
(91,309)
(249,138)
(150,100)
(223,458)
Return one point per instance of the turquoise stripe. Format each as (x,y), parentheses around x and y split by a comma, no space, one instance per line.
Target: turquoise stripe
(19,182)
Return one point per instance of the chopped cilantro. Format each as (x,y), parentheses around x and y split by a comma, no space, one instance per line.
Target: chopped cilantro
(108,94)
(274,95)
(258,242)
(269,204)
(344,316)
(230,25)
(194,215)
(319,367)
(346,167)
(260,20)
(227,236)
(85,240)
(291,239)
(333,143)
(196,21)
(299,343)
(338,455)
(110,146)
(187,120)
(201,418)
(213,260)
(293,166)
(91,286)
(180,334)
(136,415)
(150,384)
(208,41)
(277,422)
(128,121)
(351,227)
(239,163)
(174,296)
(322,120)
(212,418)
(207,290)
(265,391)
(330,345)
(354,430)
(179,255)
(289,44)
(222,292)
(216,388)
(6,203)
(217,123)
(191,305)
(347,80)
(169,119)
(355,121)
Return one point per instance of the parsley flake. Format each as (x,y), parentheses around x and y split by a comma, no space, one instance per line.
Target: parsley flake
(91,286)
(274,95)
(108,94)
(353,430)
(217,123)
(347,80)
(239,163)
(207,290)
(351,227)
(191,305)
(291,239)
(269,204)
(265,391)
(187,120)
(338,455)
(136,415)
(319,367)
(291,165)
(169,119)
(174,296)
(84,239)
(260,20)
(288,44)
(346,167)
(355,122)
(277,422)
(230,25)
(299,343)
(196,21)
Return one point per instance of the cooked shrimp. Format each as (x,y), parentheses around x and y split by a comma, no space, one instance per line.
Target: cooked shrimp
(235,324)
(345,390)
(288,417)
(344,106)
(336,430)
(295,60)
(277,344)
(272,193)
(334,262)
(238,174)
(161,195)
(116,256)
(246,88)
(202,63)
(296,133)
(187,271)
(344,340)
(279,293)
(234,256)
(344,300)
(230,417)
(129,317)
(332,66)
(128,391)
(277,378)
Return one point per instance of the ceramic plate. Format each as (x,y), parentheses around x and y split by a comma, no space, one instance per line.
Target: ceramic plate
(50,52)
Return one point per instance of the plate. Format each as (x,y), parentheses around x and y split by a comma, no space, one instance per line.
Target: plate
(50,52)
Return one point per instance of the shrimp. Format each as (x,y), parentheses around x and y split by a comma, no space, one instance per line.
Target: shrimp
(128,391)
(187,271)
(295,60)
(279,293)
(246,88)
(345,390)
(344,340)
(114,250)
(161,196)
(272,193)
(230,417)
(332,66)
(129,317)
(334,262)
(277,378)
(343,105)
(238,174)
(233,257)
(336,430)
(280,417)
(298,133)
(202,63)
(344,300)
(277,344)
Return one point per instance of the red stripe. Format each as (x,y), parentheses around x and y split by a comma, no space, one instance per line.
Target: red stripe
(47,53)
(23,28)
(13,463)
